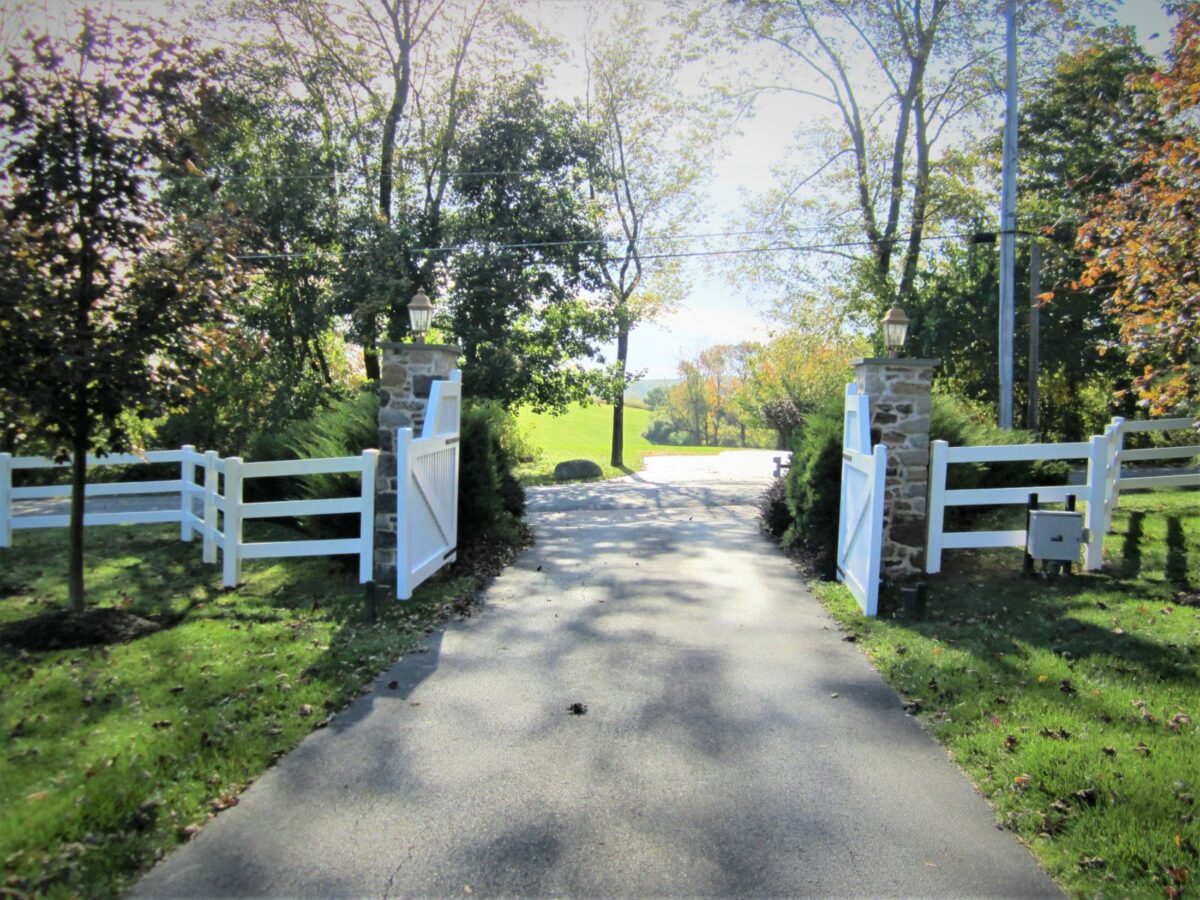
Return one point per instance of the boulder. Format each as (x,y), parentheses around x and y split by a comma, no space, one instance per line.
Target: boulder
(576,468)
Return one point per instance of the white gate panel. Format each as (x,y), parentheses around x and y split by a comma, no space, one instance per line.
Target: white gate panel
(427,471)
(860,524)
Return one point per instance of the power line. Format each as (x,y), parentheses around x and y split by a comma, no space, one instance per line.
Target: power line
(686,254)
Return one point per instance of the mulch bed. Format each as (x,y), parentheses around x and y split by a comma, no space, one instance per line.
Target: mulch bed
(63,629)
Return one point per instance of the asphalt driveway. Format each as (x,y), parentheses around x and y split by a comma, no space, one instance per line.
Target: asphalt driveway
(732,743)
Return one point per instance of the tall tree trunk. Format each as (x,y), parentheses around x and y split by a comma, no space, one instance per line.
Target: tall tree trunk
(75,596)
(618,435)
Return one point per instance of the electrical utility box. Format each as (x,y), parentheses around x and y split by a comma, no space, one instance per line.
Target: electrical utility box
(1054,534)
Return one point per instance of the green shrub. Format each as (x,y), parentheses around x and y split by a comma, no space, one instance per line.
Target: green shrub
(961,423)
(813,487)
(490,499)
(346,427)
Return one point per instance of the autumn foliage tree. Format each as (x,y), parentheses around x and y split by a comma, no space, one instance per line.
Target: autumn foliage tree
(1144,240)
(106,302)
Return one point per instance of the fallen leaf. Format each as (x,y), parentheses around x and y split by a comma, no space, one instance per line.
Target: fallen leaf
(1010,742)
(1023,780)
(37,795)
(1042,679)
(1142,749)
(305,709)
(1178,720)
(1088,796)
(1059,734)
(1092,862)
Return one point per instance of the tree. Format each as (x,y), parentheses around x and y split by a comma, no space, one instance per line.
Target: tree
(281,354)
(106,302)
(899,80)
(526,239)
(1144,238)
(395,78)
(647,184)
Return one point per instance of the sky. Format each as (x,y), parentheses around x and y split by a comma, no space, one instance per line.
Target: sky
(716,311)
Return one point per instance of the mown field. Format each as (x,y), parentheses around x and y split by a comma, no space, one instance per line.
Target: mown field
(111,755)
(585,432)
(1073,703)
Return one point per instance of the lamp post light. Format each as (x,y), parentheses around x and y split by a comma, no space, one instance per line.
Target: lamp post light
(420,314)
(895,329)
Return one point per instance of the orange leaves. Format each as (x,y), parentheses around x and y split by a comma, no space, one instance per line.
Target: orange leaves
(1144,239)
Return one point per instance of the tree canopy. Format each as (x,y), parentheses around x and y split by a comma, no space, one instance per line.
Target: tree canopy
(1143,239)
(107,303)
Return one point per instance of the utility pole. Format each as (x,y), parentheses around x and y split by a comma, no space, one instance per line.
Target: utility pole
(1035,290)
(1008,223)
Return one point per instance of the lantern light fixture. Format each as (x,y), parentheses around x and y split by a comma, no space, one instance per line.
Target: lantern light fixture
(895,329)
(420,315)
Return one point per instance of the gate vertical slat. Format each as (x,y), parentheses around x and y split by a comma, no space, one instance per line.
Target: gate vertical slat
(404,438)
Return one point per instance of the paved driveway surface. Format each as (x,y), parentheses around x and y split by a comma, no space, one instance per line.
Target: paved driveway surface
(733,744)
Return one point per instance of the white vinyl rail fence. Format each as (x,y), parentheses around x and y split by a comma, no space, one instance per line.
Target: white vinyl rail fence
(1095,451)
(1119,478)
(427,489)
(235,512)
(185,486)
(220,494)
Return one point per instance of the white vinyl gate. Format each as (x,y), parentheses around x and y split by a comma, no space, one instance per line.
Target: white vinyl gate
(427,487)
(860,513)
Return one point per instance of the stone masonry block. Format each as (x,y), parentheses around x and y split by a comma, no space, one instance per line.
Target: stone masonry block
(393,374)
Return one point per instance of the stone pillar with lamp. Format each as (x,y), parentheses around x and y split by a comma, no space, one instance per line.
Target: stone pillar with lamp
(407,374)
(900,392)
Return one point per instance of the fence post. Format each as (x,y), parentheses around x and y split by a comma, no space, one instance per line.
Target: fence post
(1119,449)
(366,527)
(5,500)
(404,437)
(187,477)
(938,463)
(1093,553)
(232,545)
(210,506)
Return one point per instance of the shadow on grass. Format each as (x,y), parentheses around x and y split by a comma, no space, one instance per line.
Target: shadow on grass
(1131,547)
(1176,570)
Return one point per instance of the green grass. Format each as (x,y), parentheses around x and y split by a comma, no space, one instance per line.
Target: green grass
(112,755)
(1074,703)
(585,432)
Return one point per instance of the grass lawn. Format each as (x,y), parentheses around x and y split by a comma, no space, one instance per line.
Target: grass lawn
(112,755)
(585,432)
(1074,704)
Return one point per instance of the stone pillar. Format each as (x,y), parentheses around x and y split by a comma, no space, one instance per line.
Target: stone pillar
(900,401)
(406,378)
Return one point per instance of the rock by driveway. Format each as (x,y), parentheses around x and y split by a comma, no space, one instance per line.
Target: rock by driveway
(732,745)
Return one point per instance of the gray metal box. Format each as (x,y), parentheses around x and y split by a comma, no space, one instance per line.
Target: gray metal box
(1054,534)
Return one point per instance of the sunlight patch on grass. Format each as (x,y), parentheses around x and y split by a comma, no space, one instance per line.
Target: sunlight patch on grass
(585,432)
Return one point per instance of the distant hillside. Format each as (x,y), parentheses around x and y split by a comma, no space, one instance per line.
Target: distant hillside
(639,389)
